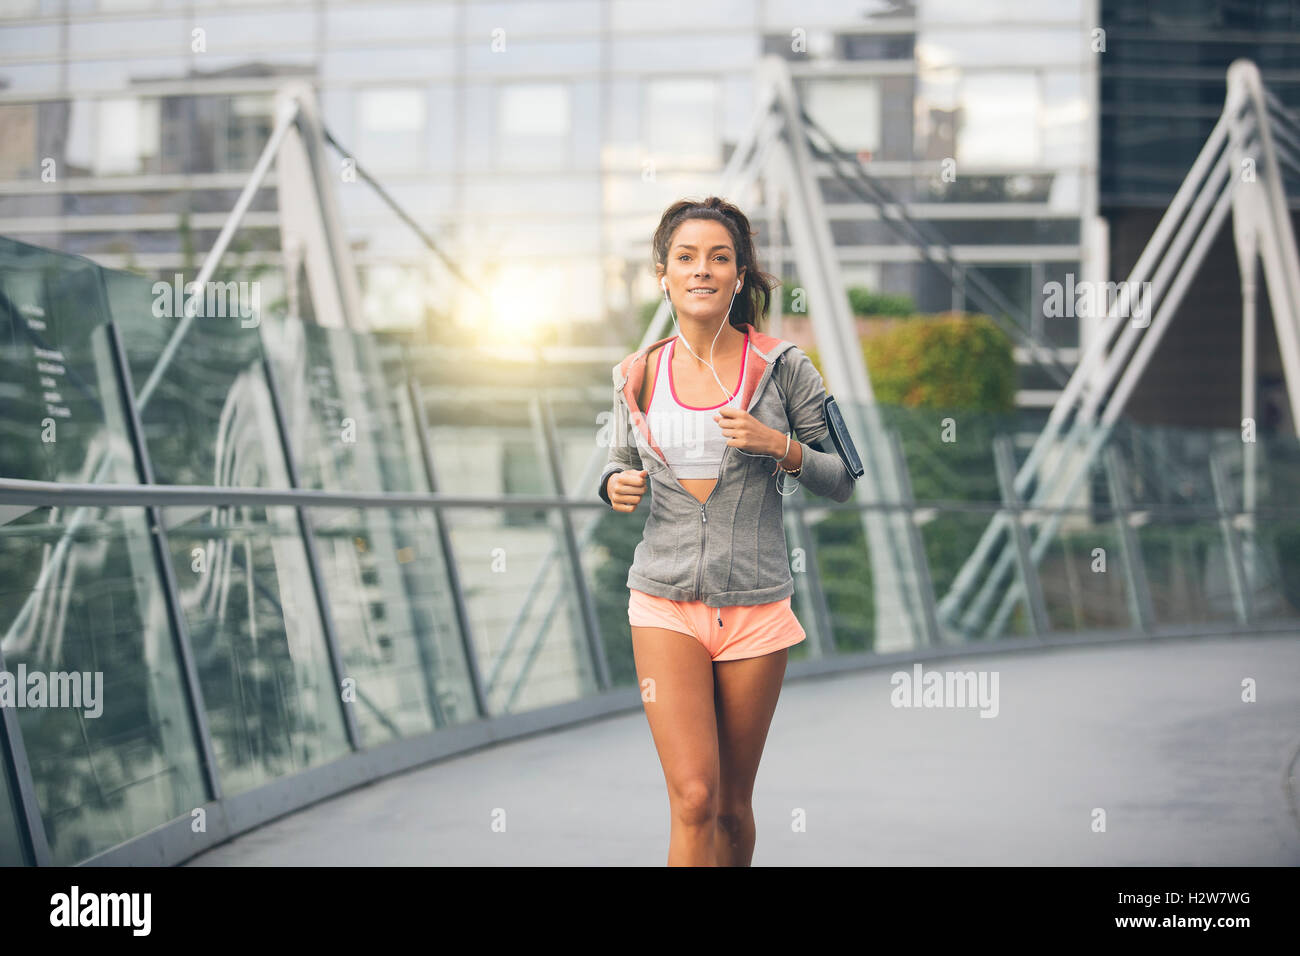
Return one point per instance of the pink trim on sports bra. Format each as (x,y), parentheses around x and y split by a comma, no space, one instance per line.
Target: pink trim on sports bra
(744,356)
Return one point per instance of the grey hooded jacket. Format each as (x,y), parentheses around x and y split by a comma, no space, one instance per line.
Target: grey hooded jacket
(729,549)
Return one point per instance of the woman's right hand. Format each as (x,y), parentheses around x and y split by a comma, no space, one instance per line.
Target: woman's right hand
(626,488)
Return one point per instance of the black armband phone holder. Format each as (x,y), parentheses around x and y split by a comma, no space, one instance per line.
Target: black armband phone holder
(837,432)
(841,439)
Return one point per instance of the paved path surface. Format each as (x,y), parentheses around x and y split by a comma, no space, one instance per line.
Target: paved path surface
(1156,734)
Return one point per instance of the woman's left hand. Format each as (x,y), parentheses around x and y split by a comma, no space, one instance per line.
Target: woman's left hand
(742,430)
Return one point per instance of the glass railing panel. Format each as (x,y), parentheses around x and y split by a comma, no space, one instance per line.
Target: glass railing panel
(583,423)
(1170,465)
(1083,574)
(523,606)
(81,599)
(273,705)
(1277,464)
(949,452)
(871,595)
(610,539)
(974,609)
(1271,564)
(800,546)
(63,418)
(351,425)
(484,428)
(207,416)
(1186,565)
(396,623)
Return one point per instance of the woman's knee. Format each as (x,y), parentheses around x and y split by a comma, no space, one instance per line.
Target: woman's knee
(695,800)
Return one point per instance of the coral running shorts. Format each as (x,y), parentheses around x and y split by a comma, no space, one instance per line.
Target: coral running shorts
(727,633)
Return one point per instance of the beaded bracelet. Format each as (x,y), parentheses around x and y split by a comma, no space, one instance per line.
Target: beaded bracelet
(793,472)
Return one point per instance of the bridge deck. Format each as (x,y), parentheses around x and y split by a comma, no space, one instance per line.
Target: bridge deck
(1156,734)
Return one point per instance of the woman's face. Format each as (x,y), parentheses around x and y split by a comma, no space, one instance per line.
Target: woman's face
(701,256)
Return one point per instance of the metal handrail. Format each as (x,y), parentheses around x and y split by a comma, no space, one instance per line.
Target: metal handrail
(22,491)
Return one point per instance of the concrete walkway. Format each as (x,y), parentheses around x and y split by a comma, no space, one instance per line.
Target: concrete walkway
(1155,734)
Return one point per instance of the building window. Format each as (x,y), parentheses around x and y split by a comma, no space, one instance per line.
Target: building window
(534,124)
(126,137)
(391,125)
(848,110)
(682,122)
(17,141)
(878,46)
(999,120)
(248,127)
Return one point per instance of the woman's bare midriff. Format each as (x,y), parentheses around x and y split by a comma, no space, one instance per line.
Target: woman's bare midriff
(699,487)
(690,393)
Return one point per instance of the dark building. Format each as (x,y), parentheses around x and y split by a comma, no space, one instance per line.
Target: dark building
(1163,83)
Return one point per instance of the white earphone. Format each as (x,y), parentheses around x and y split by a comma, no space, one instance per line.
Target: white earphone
(663,284)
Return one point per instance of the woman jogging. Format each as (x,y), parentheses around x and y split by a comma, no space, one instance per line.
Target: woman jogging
(717,422)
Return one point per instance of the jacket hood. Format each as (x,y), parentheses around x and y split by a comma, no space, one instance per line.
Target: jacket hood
(630,373)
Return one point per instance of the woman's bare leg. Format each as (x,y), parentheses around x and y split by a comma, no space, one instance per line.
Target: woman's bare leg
(684,728)
(746,694)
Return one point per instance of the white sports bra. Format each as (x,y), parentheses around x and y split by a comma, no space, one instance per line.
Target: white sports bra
(691,440)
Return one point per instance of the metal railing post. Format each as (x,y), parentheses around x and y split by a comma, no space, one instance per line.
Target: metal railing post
(1004,461)
(1139,592)
(920,563)
(1231,543)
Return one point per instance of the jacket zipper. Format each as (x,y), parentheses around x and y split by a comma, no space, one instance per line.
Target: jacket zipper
(704,537)
(704,531)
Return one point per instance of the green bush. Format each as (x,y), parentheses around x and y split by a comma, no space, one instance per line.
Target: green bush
(944,362)
(865,302)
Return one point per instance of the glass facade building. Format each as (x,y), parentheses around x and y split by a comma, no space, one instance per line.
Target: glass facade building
(539,142)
